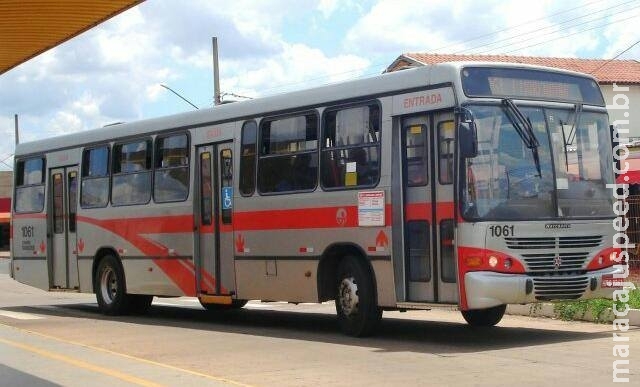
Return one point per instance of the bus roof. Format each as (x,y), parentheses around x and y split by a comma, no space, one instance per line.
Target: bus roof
(414,78)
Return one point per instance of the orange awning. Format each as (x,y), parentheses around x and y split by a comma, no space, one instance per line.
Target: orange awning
(31,27)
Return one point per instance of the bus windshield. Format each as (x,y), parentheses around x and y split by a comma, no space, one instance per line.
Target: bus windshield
(568,180)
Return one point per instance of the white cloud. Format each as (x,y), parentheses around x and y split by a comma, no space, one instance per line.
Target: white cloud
(327,7)
(296,66)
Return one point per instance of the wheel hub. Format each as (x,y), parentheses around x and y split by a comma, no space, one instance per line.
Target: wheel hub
(348,296)
(108,285)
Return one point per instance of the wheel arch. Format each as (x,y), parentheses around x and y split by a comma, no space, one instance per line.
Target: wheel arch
(100,254)
(328,268)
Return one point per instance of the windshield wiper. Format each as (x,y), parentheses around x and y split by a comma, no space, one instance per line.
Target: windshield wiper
(523,127)
(568,139)
(576,120)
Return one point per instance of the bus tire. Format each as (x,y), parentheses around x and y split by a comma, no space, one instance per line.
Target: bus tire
(235,304)
(139,303)
(484,317)
(110,287)
(358,312)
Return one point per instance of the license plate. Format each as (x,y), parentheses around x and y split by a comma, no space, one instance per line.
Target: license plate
(609,282)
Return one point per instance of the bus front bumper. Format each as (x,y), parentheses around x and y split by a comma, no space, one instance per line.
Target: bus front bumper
(488,289)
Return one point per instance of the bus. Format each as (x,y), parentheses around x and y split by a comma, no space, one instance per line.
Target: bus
(469,184)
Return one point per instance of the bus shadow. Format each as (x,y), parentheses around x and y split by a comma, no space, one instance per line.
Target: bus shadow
(394,334)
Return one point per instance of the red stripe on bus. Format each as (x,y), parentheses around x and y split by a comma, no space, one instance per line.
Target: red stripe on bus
(422,211)
(131,230)
(301,218)
(29,216)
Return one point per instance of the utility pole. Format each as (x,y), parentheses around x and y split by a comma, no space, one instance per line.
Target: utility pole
(15,119)
(216,75)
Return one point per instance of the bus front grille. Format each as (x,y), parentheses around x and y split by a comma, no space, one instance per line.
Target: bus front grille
(537,243)
(559,288)
(555,262)
(554,254)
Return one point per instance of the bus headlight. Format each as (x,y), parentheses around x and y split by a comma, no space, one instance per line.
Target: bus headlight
(493,261)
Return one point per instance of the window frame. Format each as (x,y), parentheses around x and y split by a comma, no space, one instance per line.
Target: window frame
(108,175)
(426,152)
(260,156)
(155,158)
(17,186)
(322,148)
(443,158)
(113,174)
(255,160)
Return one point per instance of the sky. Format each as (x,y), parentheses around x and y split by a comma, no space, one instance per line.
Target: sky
(113,72)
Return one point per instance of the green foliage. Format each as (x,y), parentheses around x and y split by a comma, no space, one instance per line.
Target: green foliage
(576,310)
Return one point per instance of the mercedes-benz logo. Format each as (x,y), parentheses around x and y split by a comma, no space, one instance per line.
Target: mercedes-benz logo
(557,261)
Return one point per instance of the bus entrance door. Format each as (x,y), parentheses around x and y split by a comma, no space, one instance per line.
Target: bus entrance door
(63,264)
(214,207)
(428,154)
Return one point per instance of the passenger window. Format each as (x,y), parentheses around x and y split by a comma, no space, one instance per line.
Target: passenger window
(95,177)
(447,256)
(351,147)
(416,155)
(248,158)
(29,195)
(419,255)
(73,199)
(288,154)
(171,176)
(446,147)
(58,203)
(131,173)
(206,190)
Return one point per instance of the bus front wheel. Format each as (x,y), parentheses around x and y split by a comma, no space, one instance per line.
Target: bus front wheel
(484,317)
(358,313)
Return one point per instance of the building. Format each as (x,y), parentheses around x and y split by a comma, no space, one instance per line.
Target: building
(6,186)
(619,79)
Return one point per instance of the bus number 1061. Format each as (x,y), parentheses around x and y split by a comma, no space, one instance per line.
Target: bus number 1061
(501,231)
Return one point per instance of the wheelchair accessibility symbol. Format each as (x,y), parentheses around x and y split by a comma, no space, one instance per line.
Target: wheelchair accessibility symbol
(227,198)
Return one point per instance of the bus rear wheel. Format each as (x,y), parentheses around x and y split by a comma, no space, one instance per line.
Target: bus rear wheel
(358,313)
(110,287)
(484,317)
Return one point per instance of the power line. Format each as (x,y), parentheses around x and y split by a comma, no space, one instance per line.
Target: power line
(554,26)
(519,25)
(612,59)
(575,33)
(505,39)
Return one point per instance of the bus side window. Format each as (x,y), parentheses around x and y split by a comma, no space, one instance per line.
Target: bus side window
(131,173)
(94,186)
(248,158)
(171,175)
(351,147)
(288,159)
(29,196)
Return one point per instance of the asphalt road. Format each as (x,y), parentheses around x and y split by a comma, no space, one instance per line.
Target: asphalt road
(61,339)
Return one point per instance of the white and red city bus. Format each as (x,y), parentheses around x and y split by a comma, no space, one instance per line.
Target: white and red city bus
(476,184)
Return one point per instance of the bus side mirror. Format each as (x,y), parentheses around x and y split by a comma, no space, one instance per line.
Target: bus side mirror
(468,139)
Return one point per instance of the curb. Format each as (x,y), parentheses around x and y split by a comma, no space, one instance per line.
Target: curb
(547,310)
